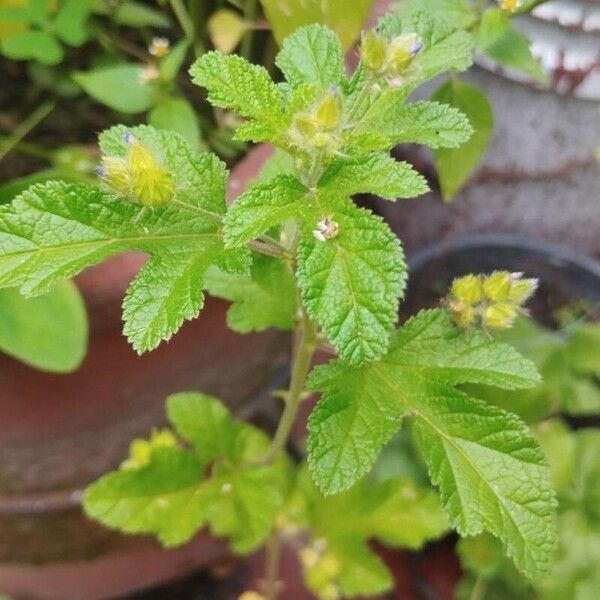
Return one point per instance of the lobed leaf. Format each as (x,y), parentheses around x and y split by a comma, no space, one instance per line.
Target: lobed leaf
(312,54)
(491,472)
(374,173)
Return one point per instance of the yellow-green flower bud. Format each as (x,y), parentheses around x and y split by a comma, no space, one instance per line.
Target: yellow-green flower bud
(522,289)
(402,51)
(329,112)
(462,313)
(468,289)
(163,438)
(324,572)
(115,173)
(306,124)
(496,286)
(500,316)
(139,454)
(151,184)
(373,51)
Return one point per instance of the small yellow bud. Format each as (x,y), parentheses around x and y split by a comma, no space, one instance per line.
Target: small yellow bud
(522,289)
(500,316)
(115,173)
(151,184)
(462,313)
(331,591)
(373,51)
(306,124)
(467,289)
(163,438)
(497,286)
(510,5)
(402,51)
(139,454)
(327,229)
(329,112)
(309,557)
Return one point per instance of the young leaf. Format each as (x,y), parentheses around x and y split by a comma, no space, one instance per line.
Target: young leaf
(457,13)
(262,207)
(375,173)
(36,45)
(234,83)
(395,512)
(70,22)
(53,231)
(454,166)
(490,470)
(226,28)
(312,54)
(160,498)
(177,492)
(118,87)
(351,285)
(48,332)
(436,125)
(135,14)
(266,298)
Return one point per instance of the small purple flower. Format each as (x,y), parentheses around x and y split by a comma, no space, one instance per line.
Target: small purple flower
(128,137)
(100,171)
(335,88)
(417,47)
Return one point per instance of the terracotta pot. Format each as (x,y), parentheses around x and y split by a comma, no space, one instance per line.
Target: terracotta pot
(58,433)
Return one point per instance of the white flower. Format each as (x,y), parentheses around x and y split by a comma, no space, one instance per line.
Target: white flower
(159,47)
(148,74)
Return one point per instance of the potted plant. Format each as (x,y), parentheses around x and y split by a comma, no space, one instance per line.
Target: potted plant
(294,252)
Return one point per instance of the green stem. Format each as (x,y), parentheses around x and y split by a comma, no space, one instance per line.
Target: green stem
(26,126)
(478,589)
(249,16)
(186,23)
(301,364)
(273,557)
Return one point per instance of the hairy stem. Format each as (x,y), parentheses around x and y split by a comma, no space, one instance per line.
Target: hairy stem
(301,363)
(272,559)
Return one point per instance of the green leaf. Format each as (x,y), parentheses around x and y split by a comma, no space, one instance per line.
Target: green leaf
(117,87)
(374,173)
(202,421)
(70,22)
(396,513)
(491,472)
(214,484)
(312,54)
(346,19)
(178,115)
(351,285)
(33,45)
(454,166)
(234,83)
(266,298)
(506,45)
(457,13)
(583,349)
(53,231)
(261,207)
(48,332)
(436,125)
(137,14)
(161,498)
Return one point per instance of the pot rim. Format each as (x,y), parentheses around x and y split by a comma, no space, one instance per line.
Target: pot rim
(562,255)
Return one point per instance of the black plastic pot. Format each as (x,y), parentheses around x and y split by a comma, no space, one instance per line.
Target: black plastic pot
(566,276)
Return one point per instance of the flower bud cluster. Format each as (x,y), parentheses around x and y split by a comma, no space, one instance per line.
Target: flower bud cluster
(138,175)
(318,129)
(322,570)
(140,450)
(494,300)
(393,59)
